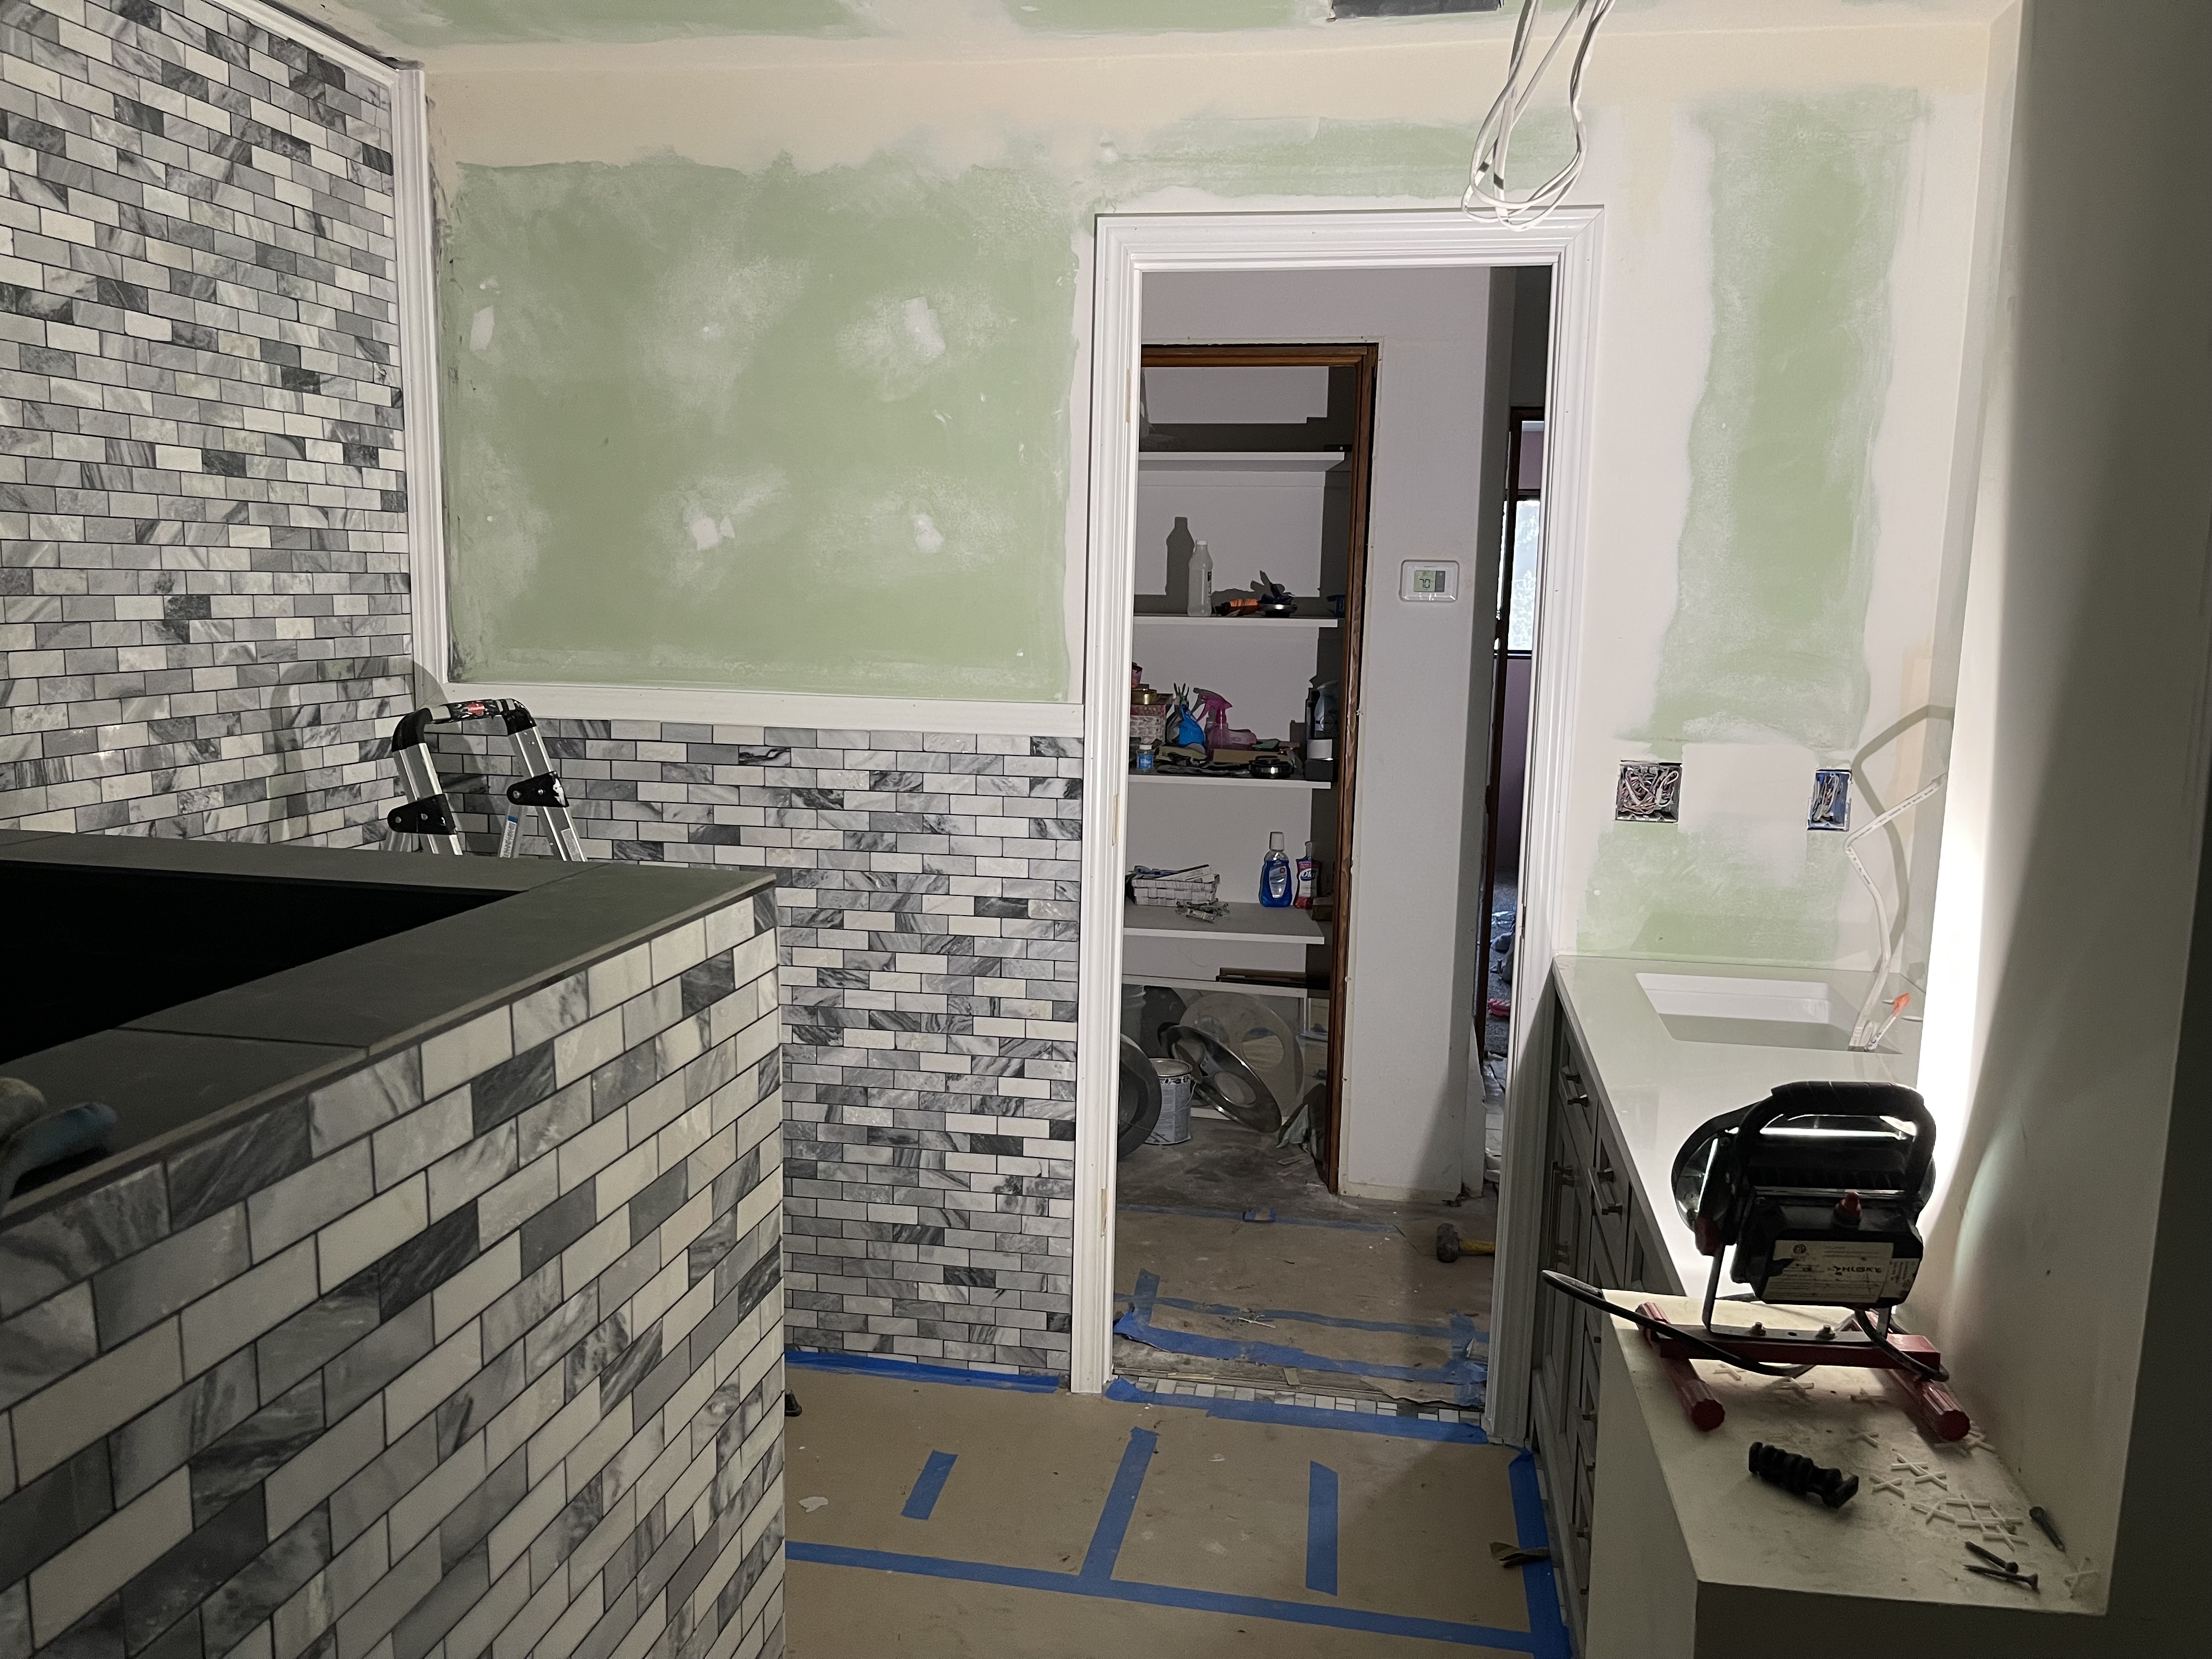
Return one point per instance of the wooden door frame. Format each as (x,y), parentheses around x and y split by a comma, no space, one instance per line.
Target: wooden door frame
(1130,248)
(1363,357)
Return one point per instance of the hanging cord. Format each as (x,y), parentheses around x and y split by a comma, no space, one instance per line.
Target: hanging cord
(1863,1035)
(1486,196)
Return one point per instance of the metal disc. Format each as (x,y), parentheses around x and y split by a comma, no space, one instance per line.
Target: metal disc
(1224,1081)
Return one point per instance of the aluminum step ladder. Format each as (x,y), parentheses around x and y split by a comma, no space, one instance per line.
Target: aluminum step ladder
(426,820)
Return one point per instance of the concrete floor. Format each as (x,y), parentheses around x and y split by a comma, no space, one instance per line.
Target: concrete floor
(1332,1296)
(963,1519)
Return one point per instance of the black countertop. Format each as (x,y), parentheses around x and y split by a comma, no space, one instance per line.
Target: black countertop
(181,1072)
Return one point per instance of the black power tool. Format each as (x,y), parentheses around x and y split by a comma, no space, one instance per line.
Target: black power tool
(1819,1187)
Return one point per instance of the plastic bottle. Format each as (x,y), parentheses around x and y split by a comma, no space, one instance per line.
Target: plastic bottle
(1190,573)
(1302,888)
(1322,704)
(1275,874)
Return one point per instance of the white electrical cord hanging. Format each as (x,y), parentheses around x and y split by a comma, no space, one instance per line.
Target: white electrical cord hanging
(1486,196)
(1863,1035)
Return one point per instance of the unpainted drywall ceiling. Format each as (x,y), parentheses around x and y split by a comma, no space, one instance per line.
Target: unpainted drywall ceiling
(766,367)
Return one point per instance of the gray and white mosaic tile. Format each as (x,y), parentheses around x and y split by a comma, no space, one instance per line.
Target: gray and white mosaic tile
(204,590)
(928,909)
(516,1389)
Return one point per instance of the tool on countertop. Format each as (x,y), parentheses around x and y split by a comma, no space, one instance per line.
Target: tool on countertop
(2041,1517)
(1818,1188)
(1517,1555)
(2027,1580)
(1993,1559)
(1450,1246)
(1793,1472)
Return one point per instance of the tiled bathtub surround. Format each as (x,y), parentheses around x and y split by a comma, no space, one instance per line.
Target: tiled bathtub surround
(474,1351)
(929,919)
(203,569)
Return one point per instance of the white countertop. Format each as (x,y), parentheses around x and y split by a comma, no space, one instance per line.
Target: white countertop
(1902,1538)
(1656,1088)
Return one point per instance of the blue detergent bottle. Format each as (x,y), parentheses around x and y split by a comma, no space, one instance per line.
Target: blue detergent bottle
(1276,887)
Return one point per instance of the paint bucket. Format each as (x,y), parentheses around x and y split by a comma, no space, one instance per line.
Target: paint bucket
(1176,1084)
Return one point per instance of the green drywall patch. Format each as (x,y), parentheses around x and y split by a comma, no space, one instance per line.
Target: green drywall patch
(800,432)
(784,431)
(1151,16)
(1776,559)
(477,23)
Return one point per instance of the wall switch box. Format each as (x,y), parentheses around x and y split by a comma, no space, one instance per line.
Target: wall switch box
(1429,578)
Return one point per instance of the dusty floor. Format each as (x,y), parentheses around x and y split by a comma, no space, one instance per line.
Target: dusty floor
(1326,1295)
(946,1519)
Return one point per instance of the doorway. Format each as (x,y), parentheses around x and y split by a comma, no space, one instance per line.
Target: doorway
(1132,251)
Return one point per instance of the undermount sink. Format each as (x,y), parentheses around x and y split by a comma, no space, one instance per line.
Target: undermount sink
(1767,1013)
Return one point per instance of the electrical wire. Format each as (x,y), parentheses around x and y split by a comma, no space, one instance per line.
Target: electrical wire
(1904,1361)
(1485,196)
(1862,1035)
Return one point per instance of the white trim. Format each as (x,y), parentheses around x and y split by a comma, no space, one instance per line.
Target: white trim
(706,706)
(413,225)
(293,26)
(1128,249)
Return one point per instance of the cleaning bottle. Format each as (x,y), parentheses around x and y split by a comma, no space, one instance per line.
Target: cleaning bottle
(1324,700)
(1302,889)
(1190,573)
(1275,874)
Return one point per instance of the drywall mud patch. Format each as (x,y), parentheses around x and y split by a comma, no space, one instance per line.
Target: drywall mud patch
(1777,555)
(799,432)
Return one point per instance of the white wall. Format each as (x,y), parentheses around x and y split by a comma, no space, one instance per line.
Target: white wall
(2073,1226)
(1405,1066)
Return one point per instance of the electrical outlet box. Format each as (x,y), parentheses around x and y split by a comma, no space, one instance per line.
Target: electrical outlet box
(1429,579)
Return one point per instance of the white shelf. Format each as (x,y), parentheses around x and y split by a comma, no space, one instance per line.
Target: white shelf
(1155,618)
(1319,992)
(1245,924)
(1243,460)
(1151,778)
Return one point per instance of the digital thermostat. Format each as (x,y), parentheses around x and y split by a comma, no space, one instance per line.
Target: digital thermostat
(1429,578)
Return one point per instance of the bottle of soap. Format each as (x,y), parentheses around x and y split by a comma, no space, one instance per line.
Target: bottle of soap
(1302,887)
(1275,874)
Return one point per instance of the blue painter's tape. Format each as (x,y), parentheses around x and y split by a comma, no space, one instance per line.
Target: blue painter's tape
(1451,1333)
(926,1486)
(1268,1215)
(1121,1504)
(1303,1417)
(1464,1377)
(1321,1528)
(1538,1582)
(911,1371)
(1168,1596)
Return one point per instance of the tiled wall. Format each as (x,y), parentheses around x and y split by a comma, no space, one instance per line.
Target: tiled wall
(477,1351)
(202,570)
(929,918)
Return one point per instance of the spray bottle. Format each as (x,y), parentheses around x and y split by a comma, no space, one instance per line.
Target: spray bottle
(1275,874)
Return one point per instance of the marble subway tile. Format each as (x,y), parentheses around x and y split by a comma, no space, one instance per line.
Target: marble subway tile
(226,1319)
(349,1446)
(157,1281)
(157,1441)
(266,1584)
(264,1442)
(453,1058)
(46,1343)
(61,1504)
(214,1174)
(286,1211)
(361,1235)
(75,1240)
(361,1101)
(99,1561)
(316,1334)
(96,1398)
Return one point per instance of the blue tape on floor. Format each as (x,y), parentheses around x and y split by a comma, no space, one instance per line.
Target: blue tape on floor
(1538,1582)
(1302,1416)
(912,1370)
(1464,1377)
(926,1486)
(1121,1504)
(1167,1596)
(1451,1333)
(1270,1216)
(1321,1528)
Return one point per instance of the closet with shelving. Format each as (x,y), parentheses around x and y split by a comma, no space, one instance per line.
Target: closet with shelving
(1262,454)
